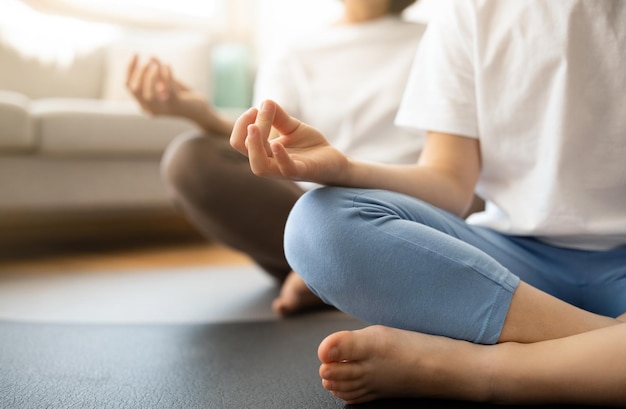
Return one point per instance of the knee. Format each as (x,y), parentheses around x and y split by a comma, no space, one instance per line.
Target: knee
(307,224)
(316,234)
(185,159)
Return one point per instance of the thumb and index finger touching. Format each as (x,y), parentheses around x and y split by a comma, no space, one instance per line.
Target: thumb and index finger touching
(281,120)
(269,115)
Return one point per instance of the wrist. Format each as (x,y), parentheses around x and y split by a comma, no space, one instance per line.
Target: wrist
(211,120)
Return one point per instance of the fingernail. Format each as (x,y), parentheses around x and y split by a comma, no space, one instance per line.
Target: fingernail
(247,112)
(264,106)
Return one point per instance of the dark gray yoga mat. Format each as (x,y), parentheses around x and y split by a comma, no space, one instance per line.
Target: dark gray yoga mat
(262,364)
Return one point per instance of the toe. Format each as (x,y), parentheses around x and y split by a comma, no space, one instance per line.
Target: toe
(280,307)
(343,386)
(348,345)
(341,371)
(355,397)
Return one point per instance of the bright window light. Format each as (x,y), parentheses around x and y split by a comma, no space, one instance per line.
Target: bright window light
(192,8)
(185,14)
(73,27)
(64,38)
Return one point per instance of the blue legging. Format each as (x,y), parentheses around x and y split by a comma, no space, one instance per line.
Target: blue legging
(391,259)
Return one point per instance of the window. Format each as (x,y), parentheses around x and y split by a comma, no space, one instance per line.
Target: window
(139,13)
(72,27)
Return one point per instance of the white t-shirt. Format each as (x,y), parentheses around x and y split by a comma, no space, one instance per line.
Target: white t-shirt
(542,84)
(348,81)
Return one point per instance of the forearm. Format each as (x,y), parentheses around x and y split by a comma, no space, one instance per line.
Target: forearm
(588,368)
(210,120)
(445,175)
(433,186)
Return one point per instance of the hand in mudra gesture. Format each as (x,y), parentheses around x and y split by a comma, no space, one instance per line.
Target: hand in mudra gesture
(298,152)
(159,92)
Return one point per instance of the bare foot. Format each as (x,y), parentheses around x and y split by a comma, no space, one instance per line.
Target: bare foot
(381,362)
(295,297)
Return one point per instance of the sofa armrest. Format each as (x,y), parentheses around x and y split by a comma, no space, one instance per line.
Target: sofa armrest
(16,130)
(99,127)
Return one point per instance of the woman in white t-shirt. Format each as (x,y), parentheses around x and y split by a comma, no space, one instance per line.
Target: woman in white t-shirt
(347,78)
(524,101)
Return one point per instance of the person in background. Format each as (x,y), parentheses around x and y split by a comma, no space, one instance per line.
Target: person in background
(521,303)
(347,79)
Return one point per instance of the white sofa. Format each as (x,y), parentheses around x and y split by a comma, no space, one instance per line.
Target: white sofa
(72,140)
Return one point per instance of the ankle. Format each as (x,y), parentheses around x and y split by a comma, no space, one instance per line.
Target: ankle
(468,369)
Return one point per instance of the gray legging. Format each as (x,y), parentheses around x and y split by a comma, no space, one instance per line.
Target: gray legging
(213,186)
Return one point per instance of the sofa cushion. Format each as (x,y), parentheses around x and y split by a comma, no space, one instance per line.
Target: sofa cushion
(16,130)
(45,184)
(97,127)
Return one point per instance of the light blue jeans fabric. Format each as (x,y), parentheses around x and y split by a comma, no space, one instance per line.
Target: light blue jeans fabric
(390,259)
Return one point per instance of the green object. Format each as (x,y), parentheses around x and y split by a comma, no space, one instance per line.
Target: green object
(232,76)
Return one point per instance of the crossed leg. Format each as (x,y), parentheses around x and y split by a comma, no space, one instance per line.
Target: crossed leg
(213,186)
(373,245)
(570,356)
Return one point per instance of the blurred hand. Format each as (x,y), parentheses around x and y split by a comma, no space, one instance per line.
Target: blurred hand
(159,93)
(300,152)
